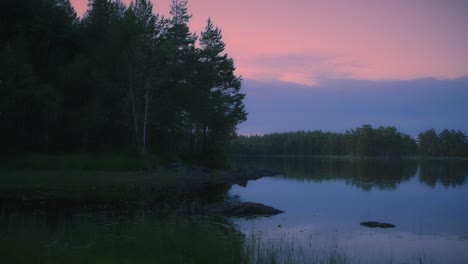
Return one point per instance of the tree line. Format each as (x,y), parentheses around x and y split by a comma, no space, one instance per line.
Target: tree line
(119,79)
(364,141)
(448,143)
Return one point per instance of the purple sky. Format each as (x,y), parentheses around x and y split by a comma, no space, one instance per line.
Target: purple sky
(340,104)
(337,64)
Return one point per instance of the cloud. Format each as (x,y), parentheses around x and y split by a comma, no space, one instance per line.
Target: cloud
(300,41)
(305,69)
(340,104)
(373,40)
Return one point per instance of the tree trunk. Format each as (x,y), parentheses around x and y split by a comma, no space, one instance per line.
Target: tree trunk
(205,135)
(145,120)
(132,101)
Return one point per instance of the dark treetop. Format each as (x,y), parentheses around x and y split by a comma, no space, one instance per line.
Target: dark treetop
(119,79)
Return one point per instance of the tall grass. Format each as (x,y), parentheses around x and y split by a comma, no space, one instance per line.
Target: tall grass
(259,251)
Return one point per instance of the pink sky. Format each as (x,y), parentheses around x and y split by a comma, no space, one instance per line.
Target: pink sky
(300,41)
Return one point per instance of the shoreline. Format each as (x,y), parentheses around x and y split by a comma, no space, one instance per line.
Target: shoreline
(349,157)
(183,190)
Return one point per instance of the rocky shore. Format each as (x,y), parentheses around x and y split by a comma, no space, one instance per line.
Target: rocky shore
(182,189)
(240,209)
(203,178)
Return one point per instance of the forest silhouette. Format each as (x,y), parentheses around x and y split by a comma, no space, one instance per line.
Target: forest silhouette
(119,79)
(364,141)
(122,79)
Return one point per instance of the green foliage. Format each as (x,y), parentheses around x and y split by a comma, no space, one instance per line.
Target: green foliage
(121,78)
(448,143)
(290,143)
(384,142)
(379,142)
(365,141)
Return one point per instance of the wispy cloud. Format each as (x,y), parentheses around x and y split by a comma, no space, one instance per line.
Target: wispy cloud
(305,69)
(298,41)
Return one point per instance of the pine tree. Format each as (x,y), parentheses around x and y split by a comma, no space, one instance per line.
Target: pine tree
(179,12)
(176,90)
(226,109)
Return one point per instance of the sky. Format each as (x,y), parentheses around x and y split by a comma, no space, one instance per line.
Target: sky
(337,64)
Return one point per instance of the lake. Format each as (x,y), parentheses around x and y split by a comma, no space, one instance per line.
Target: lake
(120,219)
(325,200)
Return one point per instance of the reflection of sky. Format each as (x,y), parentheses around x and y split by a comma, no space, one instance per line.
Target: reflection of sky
(429,220)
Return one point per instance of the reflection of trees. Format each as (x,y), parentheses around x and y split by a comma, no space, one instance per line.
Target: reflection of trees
(115,222)
(364,174)
(449,173)
(367,174)
(109,236)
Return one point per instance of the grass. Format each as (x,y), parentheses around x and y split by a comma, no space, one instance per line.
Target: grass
(95,187)
(87,171)
(81,178)
(77,162)
(260,251)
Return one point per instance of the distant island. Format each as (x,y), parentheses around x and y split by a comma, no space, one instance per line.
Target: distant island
(364,141)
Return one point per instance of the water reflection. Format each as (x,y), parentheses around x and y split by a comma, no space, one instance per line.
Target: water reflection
(449,173)
(110,218)
(325,200)
(109,236)
(127,222)
(364,174)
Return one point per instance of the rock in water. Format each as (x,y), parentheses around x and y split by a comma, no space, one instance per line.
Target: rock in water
(374,224)
(241,209)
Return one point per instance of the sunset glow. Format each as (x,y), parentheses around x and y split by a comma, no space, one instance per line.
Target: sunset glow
(304,63)
(301,40)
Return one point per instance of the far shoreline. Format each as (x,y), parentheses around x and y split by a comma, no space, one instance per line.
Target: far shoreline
(349,157)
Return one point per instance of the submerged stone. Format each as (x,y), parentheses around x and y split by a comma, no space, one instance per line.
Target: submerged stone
(373,224)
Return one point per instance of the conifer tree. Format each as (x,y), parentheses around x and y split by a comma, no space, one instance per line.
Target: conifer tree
(226,109)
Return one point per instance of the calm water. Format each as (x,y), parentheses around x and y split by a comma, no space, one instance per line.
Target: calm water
(326,199)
